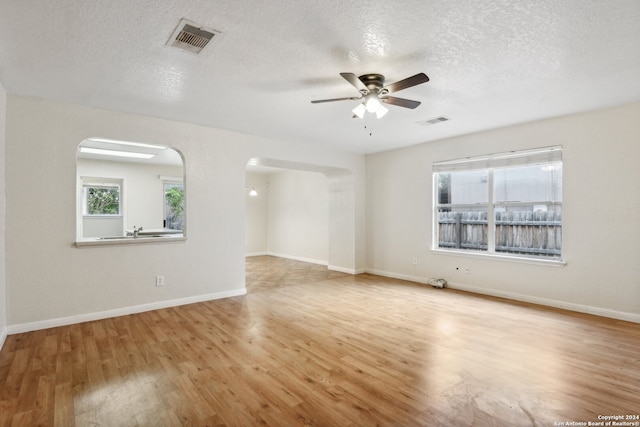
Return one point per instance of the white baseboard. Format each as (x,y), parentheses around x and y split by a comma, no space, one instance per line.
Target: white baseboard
(250,254)
(406,277)
(297,258)
(88,317)
(3,337)
(309,260)
(580,308)
(345,270)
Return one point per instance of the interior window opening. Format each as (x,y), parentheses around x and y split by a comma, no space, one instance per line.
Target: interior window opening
(129,190)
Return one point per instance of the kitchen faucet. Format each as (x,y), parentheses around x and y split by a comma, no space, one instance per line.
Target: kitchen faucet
(136,231)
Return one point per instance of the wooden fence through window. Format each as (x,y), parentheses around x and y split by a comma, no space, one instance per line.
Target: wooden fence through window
(520,232)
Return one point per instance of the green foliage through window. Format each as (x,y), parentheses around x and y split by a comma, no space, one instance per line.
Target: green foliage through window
(175,198)
(103,200)
(174,206)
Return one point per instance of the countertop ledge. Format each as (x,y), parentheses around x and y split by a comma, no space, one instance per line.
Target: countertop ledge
(129,240)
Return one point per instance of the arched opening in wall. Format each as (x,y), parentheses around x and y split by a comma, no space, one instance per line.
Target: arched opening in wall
(287,224)
(129,192)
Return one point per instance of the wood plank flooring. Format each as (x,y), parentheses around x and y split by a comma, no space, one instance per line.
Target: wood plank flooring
(326,349)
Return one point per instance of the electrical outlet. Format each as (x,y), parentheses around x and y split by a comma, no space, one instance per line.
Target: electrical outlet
(415,260)
(467,270)
(159,280)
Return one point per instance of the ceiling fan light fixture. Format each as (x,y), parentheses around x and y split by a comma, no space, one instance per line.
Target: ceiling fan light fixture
(371,87)
(360,110)
(373,104)
(381,111)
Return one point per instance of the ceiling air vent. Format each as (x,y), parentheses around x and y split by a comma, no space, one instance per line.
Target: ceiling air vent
(191,37)
(433,121)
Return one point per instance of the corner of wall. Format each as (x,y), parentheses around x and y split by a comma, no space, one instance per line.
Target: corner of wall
(3,204)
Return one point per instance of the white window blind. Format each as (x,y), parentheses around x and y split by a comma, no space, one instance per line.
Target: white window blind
(512,158)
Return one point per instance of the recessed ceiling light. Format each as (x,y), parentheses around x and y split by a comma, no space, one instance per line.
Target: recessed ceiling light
(89,150)
(131,144)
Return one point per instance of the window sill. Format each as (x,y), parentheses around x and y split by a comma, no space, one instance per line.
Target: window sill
(499,257)
(102,241)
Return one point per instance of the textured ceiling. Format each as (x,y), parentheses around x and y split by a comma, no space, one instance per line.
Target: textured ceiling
(491,63)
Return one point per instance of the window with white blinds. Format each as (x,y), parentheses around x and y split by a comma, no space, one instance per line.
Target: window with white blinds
(506,203)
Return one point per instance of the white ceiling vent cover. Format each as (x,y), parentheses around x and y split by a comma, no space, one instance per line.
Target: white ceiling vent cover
(433,121)
(191,36)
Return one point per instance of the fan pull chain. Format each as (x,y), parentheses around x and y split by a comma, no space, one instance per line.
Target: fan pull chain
(367,129)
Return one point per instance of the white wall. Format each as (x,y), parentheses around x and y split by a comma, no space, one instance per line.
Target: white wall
(298,216)
(601,214)
(3,204)
(50,281)
(256,214)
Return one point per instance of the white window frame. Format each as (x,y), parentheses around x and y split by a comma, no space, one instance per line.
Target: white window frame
(539,156)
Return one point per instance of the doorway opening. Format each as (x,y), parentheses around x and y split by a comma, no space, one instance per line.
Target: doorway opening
(287,224)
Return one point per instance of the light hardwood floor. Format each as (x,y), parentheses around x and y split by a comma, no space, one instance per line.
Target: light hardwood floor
(307,346)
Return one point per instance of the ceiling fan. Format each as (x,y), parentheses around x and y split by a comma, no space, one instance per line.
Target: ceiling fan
(374,93)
